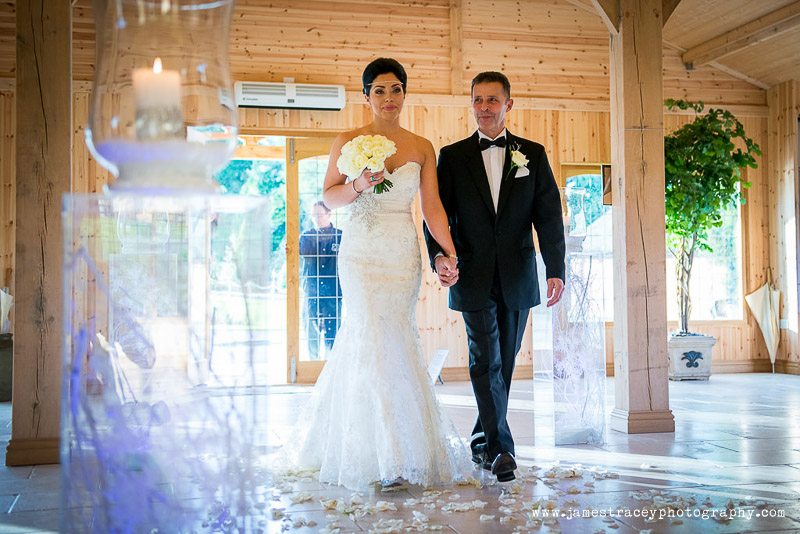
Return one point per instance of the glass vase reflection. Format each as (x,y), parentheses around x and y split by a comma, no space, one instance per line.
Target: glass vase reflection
(162,114)
(578,357)
(575,220)
(161,425)
(570,374)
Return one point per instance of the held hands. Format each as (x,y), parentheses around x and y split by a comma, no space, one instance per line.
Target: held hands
(367,179)
(555,288)
(446,270)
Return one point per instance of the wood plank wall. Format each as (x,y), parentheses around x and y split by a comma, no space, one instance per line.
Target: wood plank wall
(784,110)
(557,61)
(569,137)
(741,341)
(8,32)
(554,51)
(740,346)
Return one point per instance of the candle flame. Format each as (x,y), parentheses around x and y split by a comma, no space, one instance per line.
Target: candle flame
(157,65)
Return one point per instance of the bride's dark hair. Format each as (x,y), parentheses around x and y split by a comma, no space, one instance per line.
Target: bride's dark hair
(383,65)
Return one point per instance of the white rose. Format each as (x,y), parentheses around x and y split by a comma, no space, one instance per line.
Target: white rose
(518,158)
(375,163)
(359,161)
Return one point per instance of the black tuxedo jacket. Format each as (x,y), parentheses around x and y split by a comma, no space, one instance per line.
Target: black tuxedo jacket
(484,237)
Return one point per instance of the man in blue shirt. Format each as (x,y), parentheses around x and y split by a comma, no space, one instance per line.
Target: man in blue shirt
(318,248)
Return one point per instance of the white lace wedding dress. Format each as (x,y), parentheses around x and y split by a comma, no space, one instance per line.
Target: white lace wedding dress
(373,414)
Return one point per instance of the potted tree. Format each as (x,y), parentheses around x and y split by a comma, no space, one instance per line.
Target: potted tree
(702,165)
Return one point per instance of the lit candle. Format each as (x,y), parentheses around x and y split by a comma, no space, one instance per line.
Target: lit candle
(157,88)
(158,103)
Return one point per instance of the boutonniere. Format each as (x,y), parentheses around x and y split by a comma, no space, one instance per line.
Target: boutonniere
(518,162)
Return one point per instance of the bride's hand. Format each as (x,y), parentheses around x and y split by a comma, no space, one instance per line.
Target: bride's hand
(368,179)
(446,270)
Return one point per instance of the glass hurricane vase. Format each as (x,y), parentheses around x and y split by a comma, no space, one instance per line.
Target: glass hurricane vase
(162,115)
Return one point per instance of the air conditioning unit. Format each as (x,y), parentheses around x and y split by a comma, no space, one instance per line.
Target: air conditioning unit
(284,95)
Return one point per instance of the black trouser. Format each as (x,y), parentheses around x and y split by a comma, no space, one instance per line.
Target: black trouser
(495,336)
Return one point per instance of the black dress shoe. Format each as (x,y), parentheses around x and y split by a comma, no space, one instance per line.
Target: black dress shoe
(393,485)
(503,467)
(480,457)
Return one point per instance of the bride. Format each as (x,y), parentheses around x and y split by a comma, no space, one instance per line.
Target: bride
(373,416)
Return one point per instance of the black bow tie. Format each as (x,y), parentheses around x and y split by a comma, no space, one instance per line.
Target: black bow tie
(486,143)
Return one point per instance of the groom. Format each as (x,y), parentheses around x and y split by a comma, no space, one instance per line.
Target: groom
(496,187)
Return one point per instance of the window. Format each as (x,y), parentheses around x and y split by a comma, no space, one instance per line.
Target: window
(320,236)
(716,283)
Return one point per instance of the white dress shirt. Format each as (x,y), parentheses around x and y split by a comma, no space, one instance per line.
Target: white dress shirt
(494,158)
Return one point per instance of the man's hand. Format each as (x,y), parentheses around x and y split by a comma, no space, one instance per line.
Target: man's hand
(446,270)
(555,288)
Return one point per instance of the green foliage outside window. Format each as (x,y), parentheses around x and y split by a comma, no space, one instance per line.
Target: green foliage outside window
(592,184)
(256,177)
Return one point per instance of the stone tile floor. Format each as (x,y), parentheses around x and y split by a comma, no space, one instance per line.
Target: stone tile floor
(736,446)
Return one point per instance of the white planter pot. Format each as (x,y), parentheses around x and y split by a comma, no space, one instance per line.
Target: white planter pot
(690,356)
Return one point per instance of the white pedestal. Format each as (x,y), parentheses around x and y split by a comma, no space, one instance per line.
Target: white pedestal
(161,424)
(690,356)
(579,363)
(569,363)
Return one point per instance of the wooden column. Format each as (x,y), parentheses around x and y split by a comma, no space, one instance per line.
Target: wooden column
(43,153)
(8,158)
(637,139)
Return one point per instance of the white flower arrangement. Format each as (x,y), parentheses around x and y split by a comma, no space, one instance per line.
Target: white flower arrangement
(366,152)
(518,159)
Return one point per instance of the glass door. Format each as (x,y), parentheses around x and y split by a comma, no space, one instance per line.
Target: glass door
(299,306)
(258,168)
(313,234)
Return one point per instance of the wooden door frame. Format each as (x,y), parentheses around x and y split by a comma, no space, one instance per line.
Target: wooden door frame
(297,149)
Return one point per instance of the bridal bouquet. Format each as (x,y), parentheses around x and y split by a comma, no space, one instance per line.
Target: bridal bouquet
(366,151)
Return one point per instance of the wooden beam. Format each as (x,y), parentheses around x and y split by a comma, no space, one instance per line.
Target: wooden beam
(43,152)
(457,86)
(724,68)
(667,8)
(641,402)
(259,152)
(8,186)
(439,100)
(754,32)
(585,5)
(609,12)
(739,75)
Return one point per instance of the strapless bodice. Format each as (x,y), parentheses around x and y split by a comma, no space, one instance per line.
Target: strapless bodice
(397,200)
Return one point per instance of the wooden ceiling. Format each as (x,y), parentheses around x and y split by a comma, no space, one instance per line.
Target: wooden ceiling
(555,48)
(758,39)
